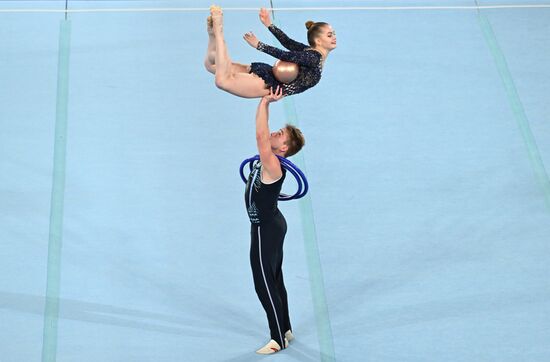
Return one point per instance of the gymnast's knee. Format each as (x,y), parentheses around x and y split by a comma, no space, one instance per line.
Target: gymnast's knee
(209,67)
(222,82)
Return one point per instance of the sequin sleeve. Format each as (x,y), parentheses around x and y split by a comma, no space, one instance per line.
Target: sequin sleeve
(308,58)
(288,43)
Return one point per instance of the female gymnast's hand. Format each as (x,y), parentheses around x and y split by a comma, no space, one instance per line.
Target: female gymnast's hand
(274,97)
(251,39)
(264,17)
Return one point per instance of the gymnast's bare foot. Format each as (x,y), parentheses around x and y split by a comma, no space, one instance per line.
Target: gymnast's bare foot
(217,19)
(209,28)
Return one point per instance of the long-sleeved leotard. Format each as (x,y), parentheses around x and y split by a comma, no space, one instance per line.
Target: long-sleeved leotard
(309,61)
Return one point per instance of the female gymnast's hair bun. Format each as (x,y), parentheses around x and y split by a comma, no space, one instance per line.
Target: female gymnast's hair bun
(309,24)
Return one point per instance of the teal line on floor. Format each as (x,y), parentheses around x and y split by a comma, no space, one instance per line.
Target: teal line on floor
(51,309)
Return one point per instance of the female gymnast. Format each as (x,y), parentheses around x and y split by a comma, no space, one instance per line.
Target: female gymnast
(256,80)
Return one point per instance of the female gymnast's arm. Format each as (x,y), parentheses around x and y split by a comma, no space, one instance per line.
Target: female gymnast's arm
(271,166)
(307,58)
(288,43)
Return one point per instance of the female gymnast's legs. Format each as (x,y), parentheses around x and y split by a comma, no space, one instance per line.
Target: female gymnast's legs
(210,59)
(227,74)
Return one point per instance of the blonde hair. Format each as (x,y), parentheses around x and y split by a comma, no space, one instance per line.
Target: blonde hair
(295,140)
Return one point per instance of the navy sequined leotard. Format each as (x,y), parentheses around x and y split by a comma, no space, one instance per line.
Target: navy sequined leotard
(309,61)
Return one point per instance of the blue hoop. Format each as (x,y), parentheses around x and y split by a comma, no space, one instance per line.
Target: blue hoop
(303,186)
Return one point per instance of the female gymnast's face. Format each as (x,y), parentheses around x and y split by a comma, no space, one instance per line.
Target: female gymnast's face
(278,140)
(327,38)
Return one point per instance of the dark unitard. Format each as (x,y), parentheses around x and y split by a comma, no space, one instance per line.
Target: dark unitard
(267,233)
(309,61)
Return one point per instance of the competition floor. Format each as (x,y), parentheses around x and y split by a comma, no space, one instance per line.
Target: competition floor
(429,210)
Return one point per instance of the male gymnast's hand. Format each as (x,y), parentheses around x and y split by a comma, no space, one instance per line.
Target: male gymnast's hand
(274,97)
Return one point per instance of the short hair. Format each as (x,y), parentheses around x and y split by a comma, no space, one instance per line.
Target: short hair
(295,140)
(314,30)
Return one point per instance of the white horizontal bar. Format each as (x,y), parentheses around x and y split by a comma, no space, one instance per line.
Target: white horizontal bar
(343,8)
